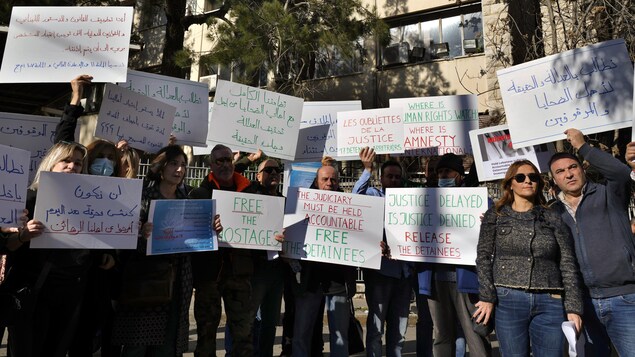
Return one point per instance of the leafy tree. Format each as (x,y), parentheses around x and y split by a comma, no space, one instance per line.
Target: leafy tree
(285,39)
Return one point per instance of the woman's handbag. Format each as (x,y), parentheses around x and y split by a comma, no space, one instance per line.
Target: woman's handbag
(17,299)
(147,281)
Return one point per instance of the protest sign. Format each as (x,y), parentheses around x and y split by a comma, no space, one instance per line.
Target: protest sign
(32,133)
(206,149)
(333,227)
(14,177)
(494,152)
(142,121)
(435,225)
(250,221)
(188,97)
(181,226)
(318,130)
(87,211)
(438,125)
(588,88)
(57,43)
(299,174)
(379,129)
(247,119)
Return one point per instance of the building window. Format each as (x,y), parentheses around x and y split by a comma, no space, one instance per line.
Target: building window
(331,62)
(448,34)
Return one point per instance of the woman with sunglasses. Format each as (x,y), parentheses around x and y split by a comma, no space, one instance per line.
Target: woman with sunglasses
(528,275)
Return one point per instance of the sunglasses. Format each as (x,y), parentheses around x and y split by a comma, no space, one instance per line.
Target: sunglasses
(271,169)
(520,178)
(223,160)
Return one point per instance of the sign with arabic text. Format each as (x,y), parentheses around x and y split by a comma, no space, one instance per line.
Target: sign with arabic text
(435,225)
(588,88)
(247,119)
(333,227)
(58,43)
(188,97)
(438,125)
(379,129)
(142,121)
(87,211)
(14,178)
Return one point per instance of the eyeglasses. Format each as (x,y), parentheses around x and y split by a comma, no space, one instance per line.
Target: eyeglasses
(520,178)
(271,169)
(76,145)
(223,160)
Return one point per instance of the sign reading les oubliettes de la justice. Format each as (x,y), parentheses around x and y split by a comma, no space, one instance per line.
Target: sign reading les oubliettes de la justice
(435,225)
(333,227)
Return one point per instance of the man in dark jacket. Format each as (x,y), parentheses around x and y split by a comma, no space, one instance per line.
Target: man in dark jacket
(598,219)
(223,274)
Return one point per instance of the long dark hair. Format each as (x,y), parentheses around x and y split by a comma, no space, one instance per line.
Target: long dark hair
(508,195)
(165,155)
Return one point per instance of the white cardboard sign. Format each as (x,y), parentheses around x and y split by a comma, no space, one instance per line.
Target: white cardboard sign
(58,43)
(14,178)
(379,129)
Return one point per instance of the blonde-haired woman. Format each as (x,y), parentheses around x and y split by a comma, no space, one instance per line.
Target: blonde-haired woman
(48,325)
(527,269)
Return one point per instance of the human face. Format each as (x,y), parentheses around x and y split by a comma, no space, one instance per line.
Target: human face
(71,164)
(446,173)
(526,189)
(222,165)
(328,179)
(569,176)
(391,177)
(174,171)
(269,174)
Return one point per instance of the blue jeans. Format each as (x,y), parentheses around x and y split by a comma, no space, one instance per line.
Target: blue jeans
(388,302)
(529,318)
(307,306)
(610,320)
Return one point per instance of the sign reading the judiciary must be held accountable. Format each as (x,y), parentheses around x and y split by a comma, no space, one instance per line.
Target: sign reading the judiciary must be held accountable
(333,227)
(436,225)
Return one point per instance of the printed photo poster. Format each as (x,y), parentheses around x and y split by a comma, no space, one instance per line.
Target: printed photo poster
(57,43)
(87,211)
(588,88)
(14,178)
(379,129)
(333,227)
(32,133)
(190,99)
(318,129)
(250,221)
(494,152)
(438,125)
(299,174)
(247,119)
(434,225)
(142,121)
(181,226)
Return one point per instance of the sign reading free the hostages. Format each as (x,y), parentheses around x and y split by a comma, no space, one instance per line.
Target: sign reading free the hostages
(333,227)
(435,225)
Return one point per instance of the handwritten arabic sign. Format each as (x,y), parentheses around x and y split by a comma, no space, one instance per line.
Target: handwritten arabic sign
(247,119)
(144,122)
(87,211)
(589,88)
(380,129)
(438,125)
(56,43)
(188,97)
(333,227)
(14,177)
(494,152)
(437,225)
(31,133)
(181,226)
(250,221)
(206,149)
(318,130)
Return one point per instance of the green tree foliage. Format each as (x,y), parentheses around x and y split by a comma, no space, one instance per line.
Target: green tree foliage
(284,38)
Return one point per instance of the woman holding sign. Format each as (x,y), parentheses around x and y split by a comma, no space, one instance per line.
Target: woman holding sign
(527,269)
(156,325)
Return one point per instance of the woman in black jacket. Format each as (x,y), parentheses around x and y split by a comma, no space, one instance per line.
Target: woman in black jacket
(527,269)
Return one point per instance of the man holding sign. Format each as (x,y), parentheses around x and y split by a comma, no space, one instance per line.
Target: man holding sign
(388,289)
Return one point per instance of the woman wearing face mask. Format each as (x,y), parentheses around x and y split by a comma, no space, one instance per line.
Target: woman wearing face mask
(47,327)
(527,268)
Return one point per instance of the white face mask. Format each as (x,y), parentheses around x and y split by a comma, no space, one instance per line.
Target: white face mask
(447,182)
(102,167)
